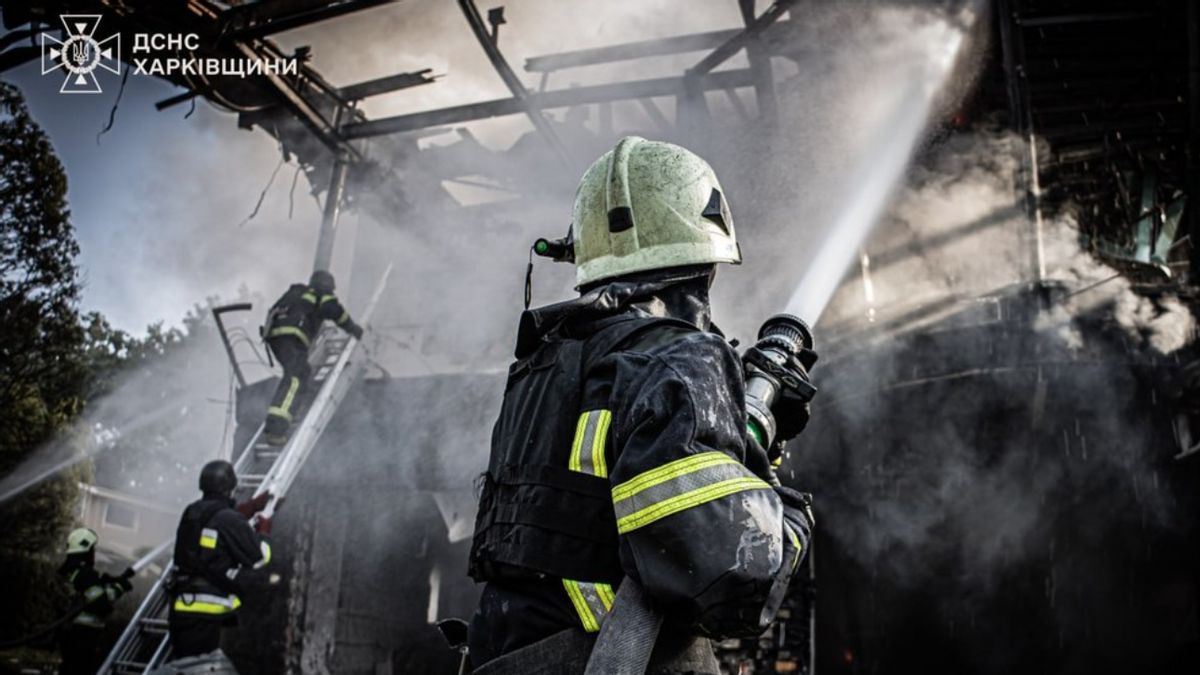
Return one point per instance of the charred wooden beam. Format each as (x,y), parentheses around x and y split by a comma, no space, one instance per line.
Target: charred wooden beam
(666,86)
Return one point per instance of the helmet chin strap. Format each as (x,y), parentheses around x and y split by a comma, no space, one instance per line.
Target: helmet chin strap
(529,278)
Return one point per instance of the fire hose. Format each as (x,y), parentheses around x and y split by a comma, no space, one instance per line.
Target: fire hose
(49,629)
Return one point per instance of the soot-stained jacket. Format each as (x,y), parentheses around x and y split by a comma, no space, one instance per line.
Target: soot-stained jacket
(653,477)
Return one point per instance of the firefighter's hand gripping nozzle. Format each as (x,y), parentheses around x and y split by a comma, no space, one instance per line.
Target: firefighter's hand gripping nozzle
(778,388)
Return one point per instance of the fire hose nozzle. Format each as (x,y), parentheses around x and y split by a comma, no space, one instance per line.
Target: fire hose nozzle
(777,367)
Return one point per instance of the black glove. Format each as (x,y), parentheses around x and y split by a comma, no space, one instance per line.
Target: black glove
(355,330)
(791,417)
(123,584)
(798,516)
(797,507)
(129,573)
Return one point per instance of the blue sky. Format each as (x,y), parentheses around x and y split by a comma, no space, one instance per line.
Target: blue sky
(156,204)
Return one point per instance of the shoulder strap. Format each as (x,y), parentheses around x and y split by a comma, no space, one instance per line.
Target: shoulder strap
(621,333)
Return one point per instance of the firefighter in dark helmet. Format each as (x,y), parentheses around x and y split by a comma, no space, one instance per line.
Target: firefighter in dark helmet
(292,324)
(622,449)
(219,556)
(97,591)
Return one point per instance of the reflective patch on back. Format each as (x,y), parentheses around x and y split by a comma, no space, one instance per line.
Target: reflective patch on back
(208,538)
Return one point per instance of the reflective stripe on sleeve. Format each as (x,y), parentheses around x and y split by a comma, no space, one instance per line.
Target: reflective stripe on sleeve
(587,451)
(328,298)
(265,548)
(309,297)
(208,538)
(93,593)
(680,485)
(591,601)
(206,603)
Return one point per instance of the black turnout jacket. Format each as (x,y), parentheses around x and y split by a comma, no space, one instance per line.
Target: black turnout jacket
(662,482)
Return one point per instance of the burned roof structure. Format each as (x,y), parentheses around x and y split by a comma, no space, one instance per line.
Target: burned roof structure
(1103,99)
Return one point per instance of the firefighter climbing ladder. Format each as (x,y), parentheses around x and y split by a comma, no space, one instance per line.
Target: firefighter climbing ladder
(261,468)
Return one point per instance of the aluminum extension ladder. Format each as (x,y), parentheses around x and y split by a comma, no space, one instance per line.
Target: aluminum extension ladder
(261,468)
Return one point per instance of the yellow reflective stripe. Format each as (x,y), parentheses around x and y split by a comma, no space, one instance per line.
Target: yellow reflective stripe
(289,330)
(310,296)
(592,602)
(574,463)
(327,298)
(687,500)
(598,464)
(207,604)
(93,593)
(587,450)
(343,318)
(606,595)
(284,409)
(668,471)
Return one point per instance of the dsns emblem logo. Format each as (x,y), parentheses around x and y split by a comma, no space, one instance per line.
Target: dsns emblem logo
(80,54)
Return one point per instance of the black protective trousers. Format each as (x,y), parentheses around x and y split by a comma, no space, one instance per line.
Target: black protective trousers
(80,647)
(292,355)
(193,635)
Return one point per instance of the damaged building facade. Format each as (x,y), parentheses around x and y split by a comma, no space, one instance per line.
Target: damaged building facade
(1004,450)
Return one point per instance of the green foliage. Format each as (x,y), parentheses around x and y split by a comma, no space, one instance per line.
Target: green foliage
(43,372)
(41,369)
(57,364)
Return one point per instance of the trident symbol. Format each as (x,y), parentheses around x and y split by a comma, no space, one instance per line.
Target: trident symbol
(79,53)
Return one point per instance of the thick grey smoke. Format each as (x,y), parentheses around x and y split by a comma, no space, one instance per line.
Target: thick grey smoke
(957,231)
(980,439)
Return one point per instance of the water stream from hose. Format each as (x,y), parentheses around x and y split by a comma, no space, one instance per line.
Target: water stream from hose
(880,170)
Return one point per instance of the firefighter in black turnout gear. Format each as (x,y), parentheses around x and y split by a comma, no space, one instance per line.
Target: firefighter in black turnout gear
(97,592)
(219,556)
(292,324)
(622,450)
